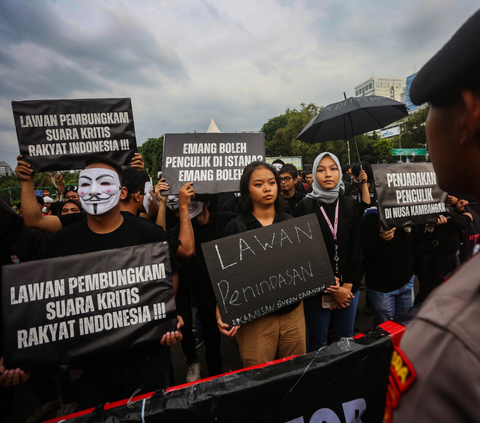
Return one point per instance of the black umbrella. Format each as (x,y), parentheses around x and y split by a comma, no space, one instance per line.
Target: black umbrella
(352,116)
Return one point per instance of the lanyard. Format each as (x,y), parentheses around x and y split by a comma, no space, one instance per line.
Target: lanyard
(334,230)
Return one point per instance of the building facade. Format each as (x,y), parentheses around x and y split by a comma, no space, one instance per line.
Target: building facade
(5,169)
(385,87)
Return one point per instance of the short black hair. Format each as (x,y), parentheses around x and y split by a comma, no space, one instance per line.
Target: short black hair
(367,167)
(345,167)
(40,200)
(73,201)
(134,180)
(368,158)
(245,203)
(289,168)
(107,161)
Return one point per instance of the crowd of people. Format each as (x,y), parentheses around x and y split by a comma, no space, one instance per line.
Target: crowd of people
(111,207)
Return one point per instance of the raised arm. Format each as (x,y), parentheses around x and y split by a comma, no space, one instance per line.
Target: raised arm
(32,214)
(186,235)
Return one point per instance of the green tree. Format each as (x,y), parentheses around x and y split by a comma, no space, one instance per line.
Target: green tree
(413,131)
(152,152)
(383,149)
(272,125)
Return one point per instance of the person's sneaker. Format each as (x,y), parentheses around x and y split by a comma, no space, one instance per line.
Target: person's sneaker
(198,339)
(368,310)
(193,373)
(65,409)
(44,410)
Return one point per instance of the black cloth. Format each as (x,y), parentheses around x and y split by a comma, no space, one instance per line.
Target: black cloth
(253,223)
(388,264)
(68,219)
(195,272)
(78,238)
(293,201)
(18,243)
(349,245)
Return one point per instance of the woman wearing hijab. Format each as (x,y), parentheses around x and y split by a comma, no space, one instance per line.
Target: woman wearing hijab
(339,222)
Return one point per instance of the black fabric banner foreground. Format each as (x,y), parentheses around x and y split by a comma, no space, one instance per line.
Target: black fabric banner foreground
(69,308)
(408,194)
(343,383)
(61,134)
(257,272)
(213,161)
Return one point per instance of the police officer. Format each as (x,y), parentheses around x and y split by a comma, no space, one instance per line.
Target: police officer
(441,347)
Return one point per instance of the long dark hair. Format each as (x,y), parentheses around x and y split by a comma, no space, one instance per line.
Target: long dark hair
(245,204)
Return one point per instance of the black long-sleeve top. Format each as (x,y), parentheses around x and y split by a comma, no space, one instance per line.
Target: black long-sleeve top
(388,264)
(349,245)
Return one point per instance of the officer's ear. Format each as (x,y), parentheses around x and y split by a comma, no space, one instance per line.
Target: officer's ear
(471,116)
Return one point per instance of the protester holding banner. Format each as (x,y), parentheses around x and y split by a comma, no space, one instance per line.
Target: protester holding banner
(207,226)
(338,219)
(443,239)
(281,333)
(99,379)
(33,218)
(388,267)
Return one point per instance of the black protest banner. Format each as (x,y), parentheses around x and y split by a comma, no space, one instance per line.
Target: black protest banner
(345,382)
(69,308)
(214,162)
(408,194)
(60,134)
(257,272)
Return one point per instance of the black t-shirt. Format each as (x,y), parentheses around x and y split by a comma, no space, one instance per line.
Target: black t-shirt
(388,264)
(253,223)
(293,201)
(78,238)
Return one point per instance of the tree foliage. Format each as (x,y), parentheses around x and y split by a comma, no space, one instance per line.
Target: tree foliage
(281,131)
(152,152)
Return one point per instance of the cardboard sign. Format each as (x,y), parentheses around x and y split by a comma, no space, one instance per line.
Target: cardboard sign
(213,161)
(68,308)
(257,272)
(408,194)
(61,134)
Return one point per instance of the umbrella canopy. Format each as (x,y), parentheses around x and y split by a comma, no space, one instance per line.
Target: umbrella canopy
(352,116)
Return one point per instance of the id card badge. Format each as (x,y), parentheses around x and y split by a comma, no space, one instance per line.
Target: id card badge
(327,300)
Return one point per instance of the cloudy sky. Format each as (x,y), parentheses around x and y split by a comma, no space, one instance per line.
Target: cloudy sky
(185,62)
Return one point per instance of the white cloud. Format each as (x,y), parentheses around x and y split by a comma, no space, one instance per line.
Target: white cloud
(185,62)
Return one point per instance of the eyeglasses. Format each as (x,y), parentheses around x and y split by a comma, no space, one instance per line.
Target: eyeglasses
(286,179)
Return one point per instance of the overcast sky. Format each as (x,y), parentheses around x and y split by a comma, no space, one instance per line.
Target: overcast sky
(185,62)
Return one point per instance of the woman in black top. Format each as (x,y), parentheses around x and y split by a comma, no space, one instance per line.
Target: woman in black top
(281,333)
(339,222)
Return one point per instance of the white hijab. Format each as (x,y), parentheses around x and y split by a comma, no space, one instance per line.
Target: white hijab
(321,194)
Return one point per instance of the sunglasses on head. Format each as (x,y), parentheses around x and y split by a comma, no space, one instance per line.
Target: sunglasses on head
(72,188)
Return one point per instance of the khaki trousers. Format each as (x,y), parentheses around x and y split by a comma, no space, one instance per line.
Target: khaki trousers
(272,337)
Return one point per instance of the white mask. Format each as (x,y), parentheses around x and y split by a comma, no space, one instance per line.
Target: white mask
(99,190)
(147,198)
